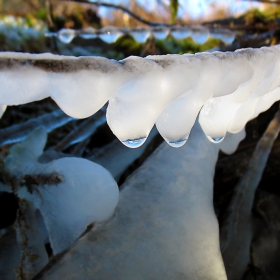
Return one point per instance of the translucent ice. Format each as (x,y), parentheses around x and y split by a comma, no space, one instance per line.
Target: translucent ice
(66,35)
(160,33)
(199,34)
(180,32)
(226,36)
(109,34)
(86,194)
(134,108)
(140,35)
(165,226)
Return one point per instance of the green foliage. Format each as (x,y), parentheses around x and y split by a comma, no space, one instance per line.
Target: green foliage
(258,16)
(170,45)
(173,6)
(41,14)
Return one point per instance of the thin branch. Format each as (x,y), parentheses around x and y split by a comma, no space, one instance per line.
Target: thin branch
(124,9)
(264,1)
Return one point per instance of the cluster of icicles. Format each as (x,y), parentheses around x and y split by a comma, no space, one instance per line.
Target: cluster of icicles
(225,89)
(111,34)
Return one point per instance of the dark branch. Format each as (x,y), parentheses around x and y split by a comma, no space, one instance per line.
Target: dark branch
(125,10)
(31,182)
(265,1)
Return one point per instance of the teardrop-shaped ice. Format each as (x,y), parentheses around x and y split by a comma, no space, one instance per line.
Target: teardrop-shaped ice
(66,35)
(140,34)
(180,32)
(216,140)
(109,34)
(226,36)
(199,34)
(134,143)
(160,33)
(177,143)
(134,108)
(263,61)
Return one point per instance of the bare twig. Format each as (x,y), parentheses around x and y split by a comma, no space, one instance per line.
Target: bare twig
(124,9)
(236,233)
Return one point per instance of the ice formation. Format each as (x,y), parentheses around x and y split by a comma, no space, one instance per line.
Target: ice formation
(225,89)
(165,226)
(86,194)
(110,34)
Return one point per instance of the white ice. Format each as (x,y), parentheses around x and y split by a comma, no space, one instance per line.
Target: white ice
(171,90)
(87,194)
(165,226)
(110,34)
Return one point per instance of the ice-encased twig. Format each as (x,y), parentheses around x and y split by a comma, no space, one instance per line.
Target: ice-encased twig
(69,192)
(18,132)
(82,132)
(236,232)
(164,227)
(228,89)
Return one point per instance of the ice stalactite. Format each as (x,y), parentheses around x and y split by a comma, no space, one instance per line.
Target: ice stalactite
(226,90)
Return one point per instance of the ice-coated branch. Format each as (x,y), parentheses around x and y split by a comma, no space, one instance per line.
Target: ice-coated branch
(225,89)
(18,132)
(111,34)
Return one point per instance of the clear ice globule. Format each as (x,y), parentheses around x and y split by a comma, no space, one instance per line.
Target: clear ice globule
(134,143)
(66,35)
(216,140)
(176,143)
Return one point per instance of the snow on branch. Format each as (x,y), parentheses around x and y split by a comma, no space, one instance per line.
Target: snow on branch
(225,89)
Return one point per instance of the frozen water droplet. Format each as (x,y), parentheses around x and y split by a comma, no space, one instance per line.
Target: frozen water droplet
(66,35)
(110,35)
(200,38)
(177,143)
(134,143)
(160,33)
(200,34)
(180,33)
(216,140)
(224,35)
(140,35)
